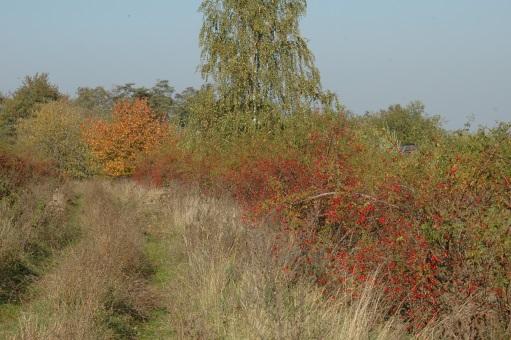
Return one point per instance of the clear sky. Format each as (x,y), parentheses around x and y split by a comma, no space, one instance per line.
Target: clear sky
(454,55)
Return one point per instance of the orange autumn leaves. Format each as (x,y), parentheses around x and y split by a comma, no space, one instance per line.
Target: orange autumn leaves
(133,131)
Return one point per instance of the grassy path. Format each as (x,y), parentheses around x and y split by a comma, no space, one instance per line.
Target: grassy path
(158,325)
(108,282)
(105,285)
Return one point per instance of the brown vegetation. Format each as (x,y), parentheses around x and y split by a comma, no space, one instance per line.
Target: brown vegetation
(96,288)
(226,284)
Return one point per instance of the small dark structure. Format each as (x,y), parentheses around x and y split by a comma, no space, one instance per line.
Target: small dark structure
(408,148)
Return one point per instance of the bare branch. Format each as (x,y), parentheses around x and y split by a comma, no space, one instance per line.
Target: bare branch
(334,193)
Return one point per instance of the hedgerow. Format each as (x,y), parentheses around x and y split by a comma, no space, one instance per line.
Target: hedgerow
(433,225)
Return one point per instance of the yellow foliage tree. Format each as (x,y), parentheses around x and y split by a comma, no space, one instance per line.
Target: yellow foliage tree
(134,131)
(53,133)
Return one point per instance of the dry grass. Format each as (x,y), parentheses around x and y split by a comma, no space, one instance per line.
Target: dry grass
(215,278)
(33,225)
(98,290)
(467,321)
(225,283)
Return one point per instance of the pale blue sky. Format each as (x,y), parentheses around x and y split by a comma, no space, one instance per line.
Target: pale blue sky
(454,55)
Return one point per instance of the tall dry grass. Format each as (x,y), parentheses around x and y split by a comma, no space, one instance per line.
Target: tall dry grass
(34,223)
(226,284)
(98,290)
(217,278)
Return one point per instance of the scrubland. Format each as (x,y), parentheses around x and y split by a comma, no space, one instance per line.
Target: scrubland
(125,260)
(318,225)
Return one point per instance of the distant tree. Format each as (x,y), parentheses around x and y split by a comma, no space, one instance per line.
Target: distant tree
(182,106)
(2,101)
(257,58)
(3,126)
(410,124)
(160,99)
(53,133)
(159,96)
(133,132)
(129,91)
(202,115)
(35,90)
(97,101)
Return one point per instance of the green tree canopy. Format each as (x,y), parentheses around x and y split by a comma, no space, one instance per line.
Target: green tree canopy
(183,102)
(259,62)
(53,133)
(35,90)
(409,123)
(159,96)
(97,101)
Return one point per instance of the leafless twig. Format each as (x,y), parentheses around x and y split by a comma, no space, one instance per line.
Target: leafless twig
(334,193)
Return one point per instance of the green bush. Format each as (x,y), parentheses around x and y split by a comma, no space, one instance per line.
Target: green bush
(409,124)
(53,133)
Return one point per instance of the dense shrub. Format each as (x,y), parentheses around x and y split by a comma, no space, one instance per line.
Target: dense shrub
(53,134)
(409,124)
(17,172)
(35,91)
(433,225)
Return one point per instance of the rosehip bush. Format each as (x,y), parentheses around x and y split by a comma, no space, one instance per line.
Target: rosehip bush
(431,230)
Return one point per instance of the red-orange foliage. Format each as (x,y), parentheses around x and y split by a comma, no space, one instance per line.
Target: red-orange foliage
(435,236)
(16,172)
(133,132)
